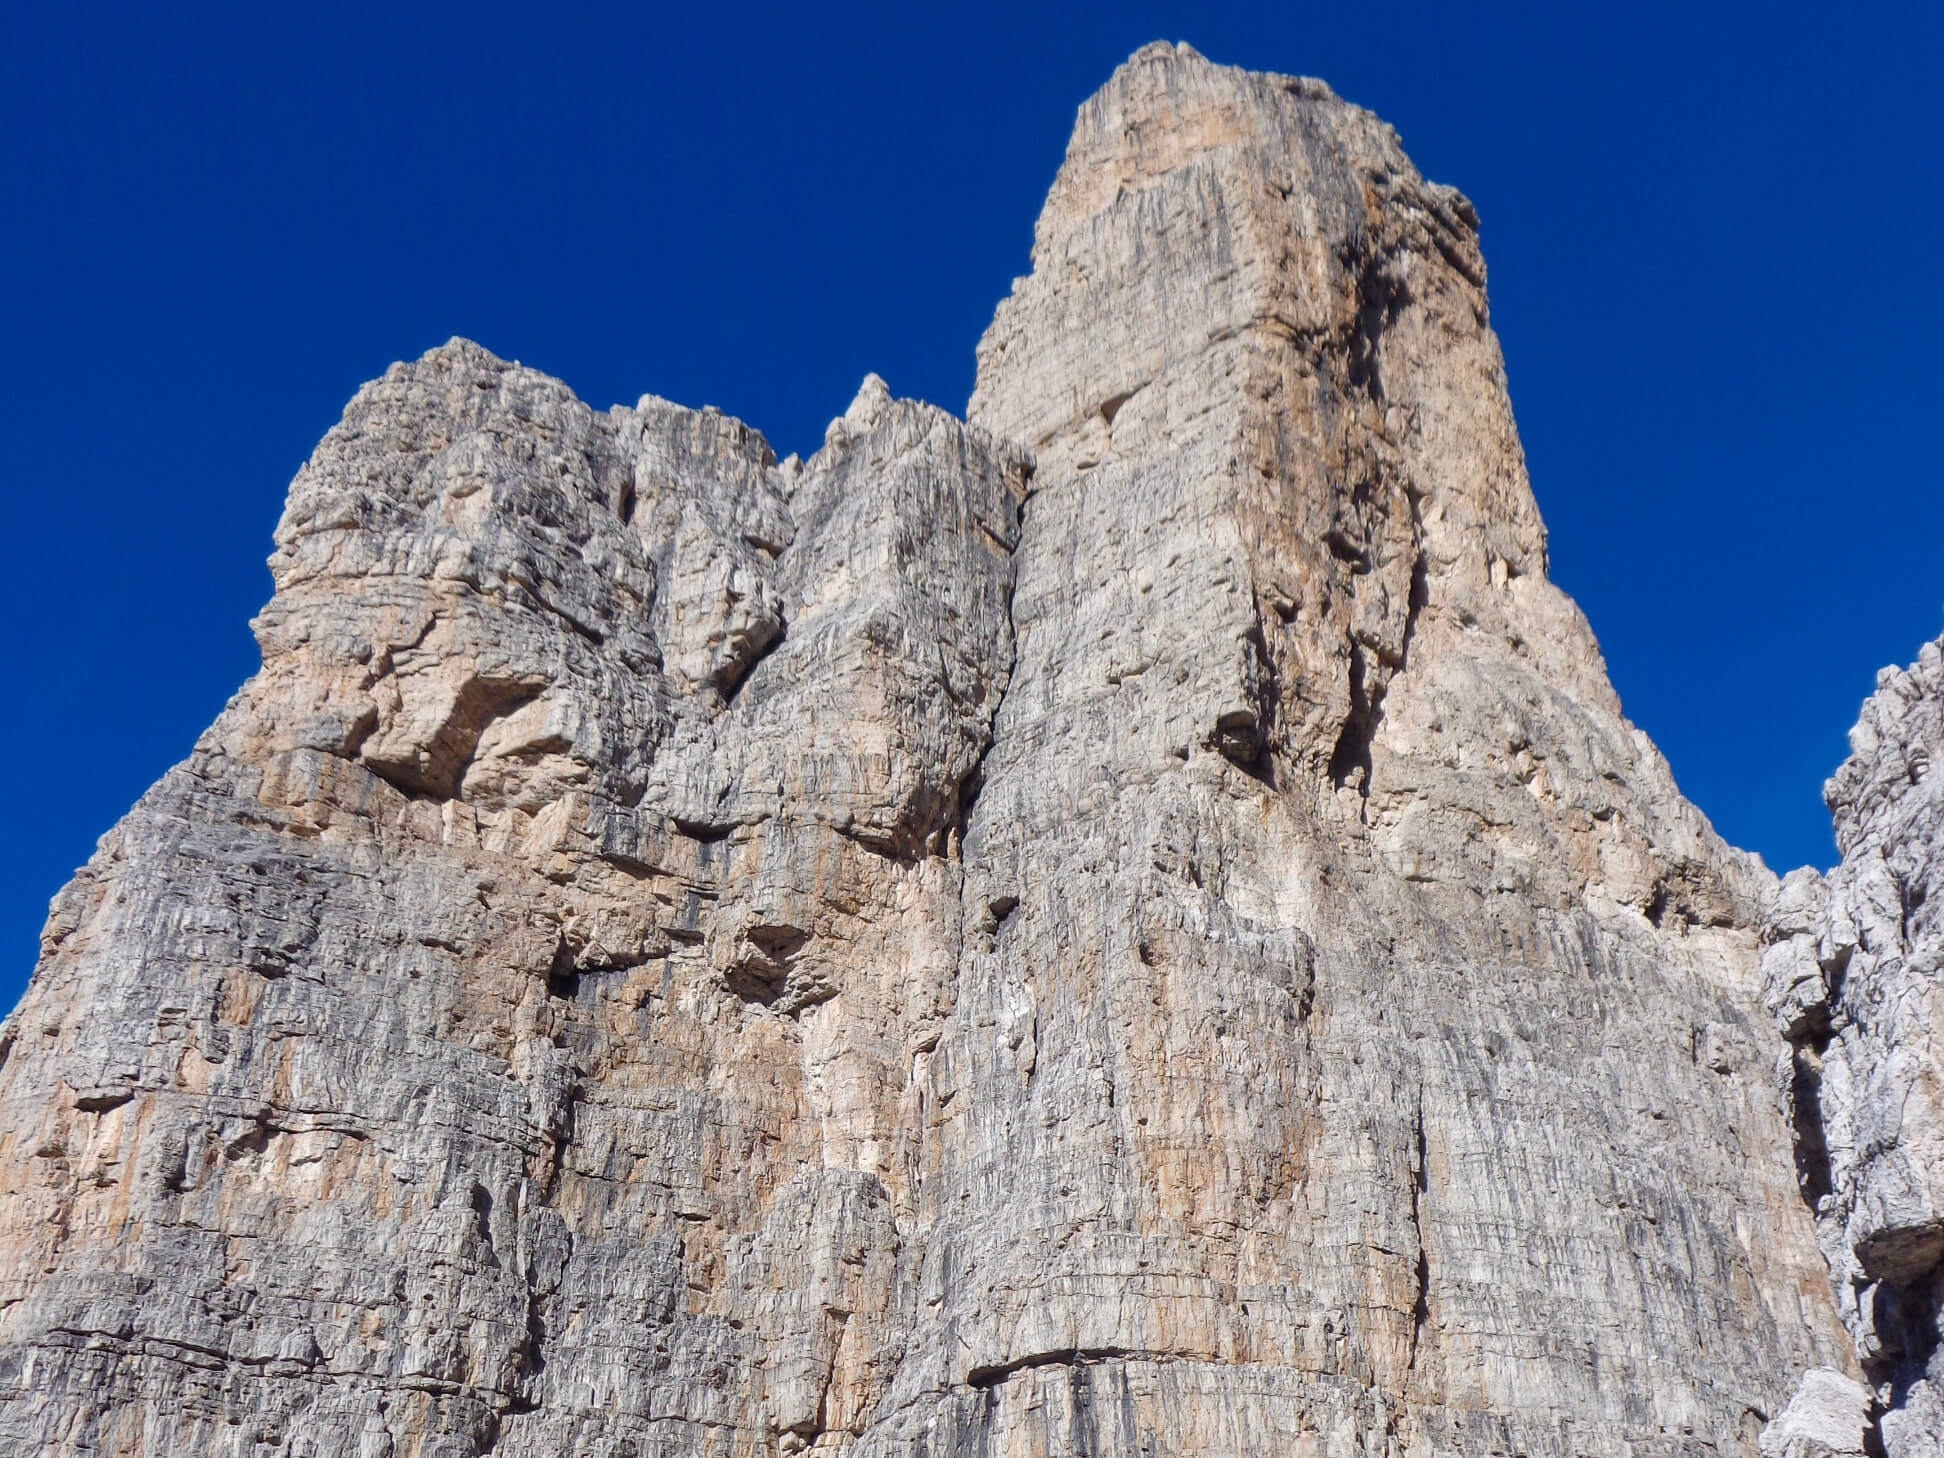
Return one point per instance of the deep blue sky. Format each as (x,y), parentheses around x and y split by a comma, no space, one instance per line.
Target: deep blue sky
(1715,245)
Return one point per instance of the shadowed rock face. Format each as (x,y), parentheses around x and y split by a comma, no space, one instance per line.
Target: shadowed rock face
(1134,925)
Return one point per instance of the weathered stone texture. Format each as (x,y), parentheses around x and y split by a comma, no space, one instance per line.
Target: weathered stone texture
(1855,978)
(1829,1416)
(1132,925)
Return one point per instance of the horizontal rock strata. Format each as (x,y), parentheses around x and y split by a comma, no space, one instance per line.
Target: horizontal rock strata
(1132,925)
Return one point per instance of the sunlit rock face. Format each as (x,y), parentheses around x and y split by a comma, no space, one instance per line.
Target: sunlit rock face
(1131,925)
(1855,979)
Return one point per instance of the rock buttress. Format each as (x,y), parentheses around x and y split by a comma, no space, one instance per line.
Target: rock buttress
(1366,1043)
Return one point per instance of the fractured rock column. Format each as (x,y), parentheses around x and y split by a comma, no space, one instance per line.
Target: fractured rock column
(1855,979)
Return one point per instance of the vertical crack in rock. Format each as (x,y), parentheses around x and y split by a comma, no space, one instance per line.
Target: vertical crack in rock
(1420,1192)
(1350,761)
(1805,1102)
(969,787)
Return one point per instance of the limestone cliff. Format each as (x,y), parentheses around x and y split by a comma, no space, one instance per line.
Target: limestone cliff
(1855,979)
(1134,924)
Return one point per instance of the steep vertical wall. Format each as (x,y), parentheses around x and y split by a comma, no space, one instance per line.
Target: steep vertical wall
(1132,925)
(1855,978)
(1364,950)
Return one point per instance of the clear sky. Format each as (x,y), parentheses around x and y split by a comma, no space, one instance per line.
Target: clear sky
(1715,236)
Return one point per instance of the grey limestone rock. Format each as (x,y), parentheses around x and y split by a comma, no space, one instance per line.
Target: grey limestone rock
(1134,924)
(1854,975)
(1829,1417)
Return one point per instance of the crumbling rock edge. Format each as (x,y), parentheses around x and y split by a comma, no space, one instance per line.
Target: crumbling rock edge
(1854,979)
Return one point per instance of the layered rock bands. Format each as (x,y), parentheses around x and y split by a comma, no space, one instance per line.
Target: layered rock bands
(1131,924)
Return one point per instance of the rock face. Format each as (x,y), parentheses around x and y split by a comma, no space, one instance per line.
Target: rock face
(1131,925)
(1855,979)
(1829,1417)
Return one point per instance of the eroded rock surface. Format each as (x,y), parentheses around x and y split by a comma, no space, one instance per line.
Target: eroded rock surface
(1855,979)
(1828,1417)
(1134,925)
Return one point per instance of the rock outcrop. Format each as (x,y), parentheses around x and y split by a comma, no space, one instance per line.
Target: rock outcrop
(1828,1417)
(1855,979)
(1134,924)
